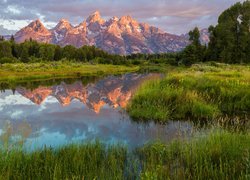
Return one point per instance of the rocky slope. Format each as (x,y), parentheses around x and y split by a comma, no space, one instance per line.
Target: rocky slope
(117,35)
(36,31)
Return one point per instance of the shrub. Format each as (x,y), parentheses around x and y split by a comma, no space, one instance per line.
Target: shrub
(4,60)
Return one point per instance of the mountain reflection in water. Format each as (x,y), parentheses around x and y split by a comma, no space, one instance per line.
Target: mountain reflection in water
(85,112)
(114,91)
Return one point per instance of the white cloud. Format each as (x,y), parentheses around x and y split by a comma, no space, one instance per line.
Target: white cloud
(13,24)
(12,9)
(182,14)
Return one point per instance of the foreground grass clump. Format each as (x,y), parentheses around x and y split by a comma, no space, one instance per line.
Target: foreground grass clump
(199,92)
(22,71)
(72,162)
(221,155)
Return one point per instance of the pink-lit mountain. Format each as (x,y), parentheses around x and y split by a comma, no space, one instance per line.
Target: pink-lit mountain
(117,35)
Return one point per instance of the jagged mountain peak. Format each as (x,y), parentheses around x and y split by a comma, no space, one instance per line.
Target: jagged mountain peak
(82,24)
(63,23)
(37,25)
(97,13)
(36,22)
(126,19)
(63,20)
(115,18)
(35,30)
(122,35)
(95,17)
(61,30)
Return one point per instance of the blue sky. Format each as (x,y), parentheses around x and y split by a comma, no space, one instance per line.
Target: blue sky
(173,16)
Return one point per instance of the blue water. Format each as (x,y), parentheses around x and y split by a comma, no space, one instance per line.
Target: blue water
(75,113)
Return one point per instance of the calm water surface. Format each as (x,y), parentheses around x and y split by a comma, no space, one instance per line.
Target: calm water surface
(80,111)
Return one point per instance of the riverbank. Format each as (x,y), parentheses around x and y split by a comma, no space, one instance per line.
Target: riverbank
(201,92)
(49,70)
(220,155)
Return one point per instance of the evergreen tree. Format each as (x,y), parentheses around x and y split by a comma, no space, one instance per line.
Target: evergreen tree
(1,38)
(15,50)
(34,47)
(5,49)
(58,53)
(194,37)
(81,55)
(24,52)
(195,51)
(12,39)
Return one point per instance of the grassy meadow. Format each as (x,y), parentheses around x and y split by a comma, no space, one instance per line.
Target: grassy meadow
(201,92)
(47,70)
(220,155)
(214,99)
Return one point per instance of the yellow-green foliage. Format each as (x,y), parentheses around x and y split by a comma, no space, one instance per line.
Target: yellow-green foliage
(200,92)
(21,71)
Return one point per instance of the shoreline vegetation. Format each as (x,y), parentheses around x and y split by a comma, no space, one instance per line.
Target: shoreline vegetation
(218,155)
(48,70)
(201,92)
(194,88)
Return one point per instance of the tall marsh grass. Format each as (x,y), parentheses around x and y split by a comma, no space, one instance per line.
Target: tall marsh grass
(200,92)
(220,155)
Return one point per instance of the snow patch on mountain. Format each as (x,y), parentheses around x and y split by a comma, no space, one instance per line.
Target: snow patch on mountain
(58,36)
(116,36)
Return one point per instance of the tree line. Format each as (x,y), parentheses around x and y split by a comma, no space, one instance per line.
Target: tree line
(229,43)
(32,51)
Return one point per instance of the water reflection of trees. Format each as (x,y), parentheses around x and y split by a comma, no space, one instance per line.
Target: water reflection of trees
(49,82)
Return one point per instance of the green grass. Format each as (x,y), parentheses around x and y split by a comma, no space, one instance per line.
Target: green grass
(72,162)
(201,92)
(220,155)
(34,71)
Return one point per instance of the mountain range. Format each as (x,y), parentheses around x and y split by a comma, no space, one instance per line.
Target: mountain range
(116,36)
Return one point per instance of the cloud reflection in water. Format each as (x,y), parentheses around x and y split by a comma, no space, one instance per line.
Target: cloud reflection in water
(68,113)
